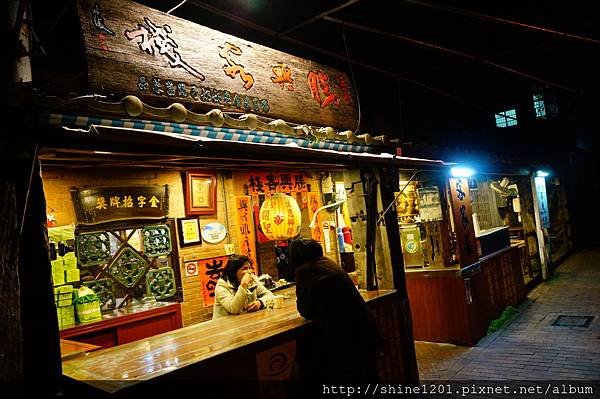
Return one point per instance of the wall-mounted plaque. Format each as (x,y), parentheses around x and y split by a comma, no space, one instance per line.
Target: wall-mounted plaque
(105,204)
(189,231)
(430,207)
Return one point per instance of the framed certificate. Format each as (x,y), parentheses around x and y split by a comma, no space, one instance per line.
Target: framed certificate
(200,193)
(189,231)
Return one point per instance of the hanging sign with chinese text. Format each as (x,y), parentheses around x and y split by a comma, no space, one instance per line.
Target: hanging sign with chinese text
(540,190)
(133,49)
(271,183)
(314,203)
(462,214)
(247,242)
(210,270)
(105,204)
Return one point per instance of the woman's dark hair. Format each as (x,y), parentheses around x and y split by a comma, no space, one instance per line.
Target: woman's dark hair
(234,263)
(302,250)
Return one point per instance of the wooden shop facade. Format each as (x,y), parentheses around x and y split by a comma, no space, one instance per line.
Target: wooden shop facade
(474,244)
(183,146)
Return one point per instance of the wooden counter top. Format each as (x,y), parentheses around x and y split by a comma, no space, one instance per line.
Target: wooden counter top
(70,348)
(155,356)
(119,317)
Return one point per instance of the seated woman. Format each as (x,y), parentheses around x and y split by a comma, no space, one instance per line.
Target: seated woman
(238,289)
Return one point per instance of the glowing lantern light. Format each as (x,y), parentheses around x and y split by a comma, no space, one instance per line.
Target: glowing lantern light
(280,217)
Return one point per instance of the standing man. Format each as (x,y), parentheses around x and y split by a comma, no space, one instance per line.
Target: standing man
(345,346)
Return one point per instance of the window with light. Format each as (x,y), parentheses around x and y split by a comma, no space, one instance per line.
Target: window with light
(506,118)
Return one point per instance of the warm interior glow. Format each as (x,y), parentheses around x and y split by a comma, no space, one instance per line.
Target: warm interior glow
(280,217)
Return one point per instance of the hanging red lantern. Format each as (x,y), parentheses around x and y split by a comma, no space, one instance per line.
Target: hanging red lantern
(280,217)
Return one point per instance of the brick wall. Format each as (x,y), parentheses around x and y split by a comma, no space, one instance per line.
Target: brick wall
(57,183)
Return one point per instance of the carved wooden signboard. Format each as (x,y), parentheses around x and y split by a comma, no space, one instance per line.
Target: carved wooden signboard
(104,204)
(133,49)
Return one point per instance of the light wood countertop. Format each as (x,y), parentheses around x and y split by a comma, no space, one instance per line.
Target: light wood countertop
(155,356)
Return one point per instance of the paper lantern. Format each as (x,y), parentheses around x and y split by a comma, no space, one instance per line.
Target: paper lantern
(280,217)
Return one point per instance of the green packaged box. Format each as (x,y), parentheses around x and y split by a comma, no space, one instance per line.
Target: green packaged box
(70,261)
(71,275)
(63,295)
(66,316)
(87,306)
(58,277)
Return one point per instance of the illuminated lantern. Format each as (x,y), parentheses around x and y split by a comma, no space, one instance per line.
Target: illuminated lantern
(280,217)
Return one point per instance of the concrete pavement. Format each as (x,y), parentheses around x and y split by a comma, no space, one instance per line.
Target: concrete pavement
(531,346)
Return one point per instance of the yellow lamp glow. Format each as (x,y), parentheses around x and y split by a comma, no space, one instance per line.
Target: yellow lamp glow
(280,217)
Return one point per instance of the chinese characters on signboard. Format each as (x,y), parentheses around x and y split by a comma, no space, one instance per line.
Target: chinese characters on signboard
(210,271)
(246,226)
(102,204)
(314,203)
(540,189)
(463,221)
(152,37)
(430,207)
(134,49)
(271,183)
(406,203)
(322,89)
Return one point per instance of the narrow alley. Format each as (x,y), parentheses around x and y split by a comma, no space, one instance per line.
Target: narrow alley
(554,336)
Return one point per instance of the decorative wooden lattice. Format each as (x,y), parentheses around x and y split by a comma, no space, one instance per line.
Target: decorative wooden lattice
(157,240)
(128,267)
(93,248)
(161,283)
(125,263)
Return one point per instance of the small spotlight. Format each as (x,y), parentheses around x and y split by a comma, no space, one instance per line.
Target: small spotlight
(541,173)
(461,171)
(102,152)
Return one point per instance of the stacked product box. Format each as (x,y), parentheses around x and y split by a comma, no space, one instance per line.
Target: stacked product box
(65,311)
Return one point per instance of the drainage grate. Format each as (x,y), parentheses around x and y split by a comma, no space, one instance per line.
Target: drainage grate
(573,321)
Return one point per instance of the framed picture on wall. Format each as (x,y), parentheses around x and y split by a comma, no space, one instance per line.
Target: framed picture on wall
(200,193)
(189,231)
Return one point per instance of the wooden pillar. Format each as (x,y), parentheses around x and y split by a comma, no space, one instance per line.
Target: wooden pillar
(41,350)
(11,338)
(390,180)
(389,184)
(370,189)
(30,340)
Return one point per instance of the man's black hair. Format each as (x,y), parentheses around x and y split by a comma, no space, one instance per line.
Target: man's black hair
(302,250)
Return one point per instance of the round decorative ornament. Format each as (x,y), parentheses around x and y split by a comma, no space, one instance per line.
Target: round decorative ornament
(213,232)
(280,217)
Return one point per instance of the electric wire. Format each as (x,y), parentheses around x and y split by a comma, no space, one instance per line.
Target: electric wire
(486,17)
(176,7)
(267,31)
(396,198)
(425,44)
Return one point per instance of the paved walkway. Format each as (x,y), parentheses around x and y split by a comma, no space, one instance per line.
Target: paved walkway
(530,347)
